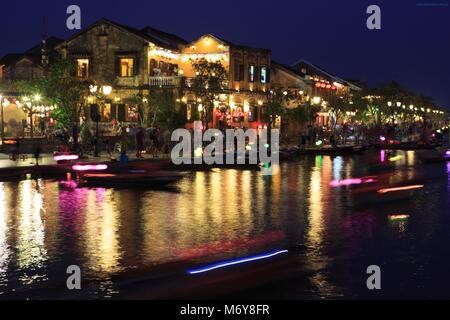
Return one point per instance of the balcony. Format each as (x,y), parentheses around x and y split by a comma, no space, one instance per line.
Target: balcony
(173,81)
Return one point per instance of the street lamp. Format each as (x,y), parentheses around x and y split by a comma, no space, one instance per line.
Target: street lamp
(399,104)
(107,90)
(389,103)
(316,100)
(93,89)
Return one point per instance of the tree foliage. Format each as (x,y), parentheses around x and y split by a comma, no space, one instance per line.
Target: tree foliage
(209,82)
(66,91)
(159,107)
(276,105)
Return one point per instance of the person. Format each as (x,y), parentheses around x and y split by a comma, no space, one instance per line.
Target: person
(15,150)
(123,157)
(123,140)
(167,135)
(154,138)
(139,142)
(132,132)
(24,127)
(333,139)
(37,154)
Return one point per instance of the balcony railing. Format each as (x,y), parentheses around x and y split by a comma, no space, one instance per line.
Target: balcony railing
(164,81)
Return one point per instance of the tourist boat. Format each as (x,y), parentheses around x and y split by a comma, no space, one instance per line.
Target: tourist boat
(334,150)
(398,145)
(130,179)
(290,153)
(434,156)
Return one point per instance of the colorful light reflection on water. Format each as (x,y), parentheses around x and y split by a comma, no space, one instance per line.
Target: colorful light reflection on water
(230,214)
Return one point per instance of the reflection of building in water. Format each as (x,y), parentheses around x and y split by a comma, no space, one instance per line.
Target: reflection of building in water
(4,247)
(315,207)
(101,227)
(31,250)
(318,193)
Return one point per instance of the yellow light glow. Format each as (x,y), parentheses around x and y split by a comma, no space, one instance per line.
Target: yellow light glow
(107,90)
(246,106)
(164,54)
(316,100)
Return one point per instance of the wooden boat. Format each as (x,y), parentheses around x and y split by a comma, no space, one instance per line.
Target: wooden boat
(434,156)
(133,178)
(334,150)
(407,146)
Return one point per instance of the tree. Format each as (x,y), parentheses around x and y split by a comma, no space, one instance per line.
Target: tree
(209,82)
(303,114)
(159,107)
(276,105)
(62,88)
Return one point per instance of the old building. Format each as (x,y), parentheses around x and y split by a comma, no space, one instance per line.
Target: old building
(325,90)
(124,61)
(28,65)
(16,68)
(248,73)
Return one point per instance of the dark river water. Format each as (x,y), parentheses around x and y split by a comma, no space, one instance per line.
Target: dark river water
(335,233)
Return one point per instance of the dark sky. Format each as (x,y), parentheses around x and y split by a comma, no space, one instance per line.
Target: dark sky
(413,46)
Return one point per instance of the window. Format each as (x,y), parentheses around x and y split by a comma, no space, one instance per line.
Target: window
(126,67)
(82,68)
(153,67)
(251,73)
(238,71)
(264,75)
(105,112)
(132,113)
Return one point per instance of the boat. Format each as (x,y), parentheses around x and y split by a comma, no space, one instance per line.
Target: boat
(434,156)
(130,179)
(397,145)
(334,150)
(289,153)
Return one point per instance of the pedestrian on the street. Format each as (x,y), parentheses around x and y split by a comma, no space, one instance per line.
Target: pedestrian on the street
(139,142)
(123,157)
(37,154)
(124,141)
(167,140)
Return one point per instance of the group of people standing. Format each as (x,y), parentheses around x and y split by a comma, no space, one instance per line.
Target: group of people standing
(150,140)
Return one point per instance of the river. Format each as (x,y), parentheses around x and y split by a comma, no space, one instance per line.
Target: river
(115,235)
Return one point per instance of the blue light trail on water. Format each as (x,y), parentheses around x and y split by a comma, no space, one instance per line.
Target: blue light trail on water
(237,261)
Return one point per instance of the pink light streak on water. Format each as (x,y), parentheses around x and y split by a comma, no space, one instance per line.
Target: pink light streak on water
(382,155)
(66,157)
(351,181)
(97,167)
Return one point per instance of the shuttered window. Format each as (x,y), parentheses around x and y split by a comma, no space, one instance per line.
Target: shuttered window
(239,71)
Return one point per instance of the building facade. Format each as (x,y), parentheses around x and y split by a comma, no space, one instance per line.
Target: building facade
(248,81)
(125,60)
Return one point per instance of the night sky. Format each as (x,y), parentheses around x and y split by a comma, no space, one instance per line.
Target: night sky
(413,46)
